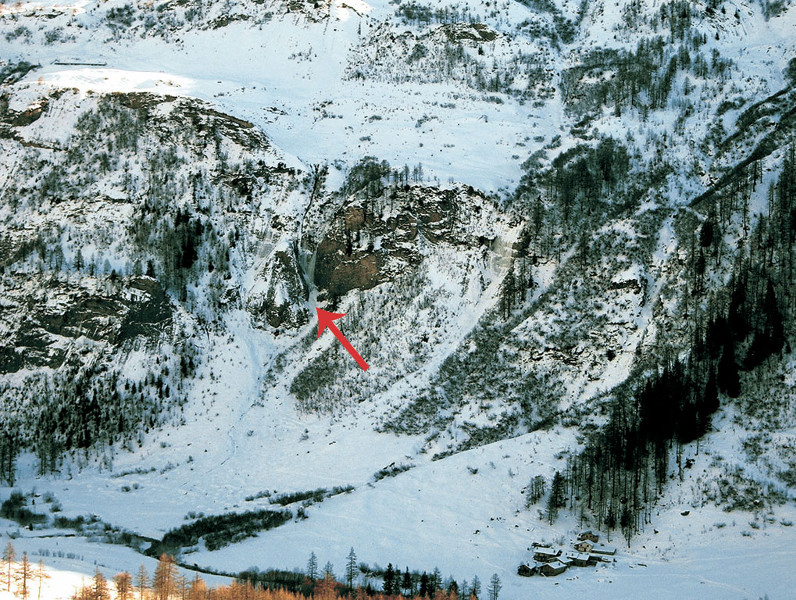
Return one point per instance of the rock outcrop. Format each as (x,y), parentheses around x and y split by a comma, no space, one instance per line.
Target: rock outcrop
(41,325)
(279,295)
(373,240)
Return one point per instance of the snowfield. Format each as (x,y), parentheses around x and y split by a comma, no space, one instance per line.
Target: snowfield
(243,439)
(463,515)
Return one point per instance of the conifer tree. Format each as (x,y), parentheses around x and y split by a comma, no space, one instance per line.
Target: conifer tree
(9,556)
(706,234)
(535,490)
(142,582)
(424,589)
(736,315)
(100,587)
(24,574)
(507,293)
(41,575)
(494,587)
(312,567)
(557,497)
(710,400)
(351,569)
(727,377)
(164,580)
(84,593)
(389,580)
(775,328)
(327,588)
(475,588)
(435,582)
(124,586)
(181,586)
(406,583)
(197,589)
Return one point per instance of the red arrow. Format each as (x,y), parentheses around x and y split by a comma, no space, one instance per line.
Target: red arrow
(326,319)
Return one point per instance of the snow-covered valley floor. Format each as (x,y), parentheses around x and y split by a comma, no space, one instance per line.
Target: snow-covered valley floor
(244,441)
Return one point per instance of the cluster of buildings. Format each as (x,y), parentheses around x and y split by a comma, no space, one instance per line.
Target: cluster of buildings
(547,561)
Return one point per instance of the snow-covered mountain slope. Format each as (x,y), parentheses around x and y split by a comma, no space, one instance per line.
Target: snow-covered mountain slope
(525,209)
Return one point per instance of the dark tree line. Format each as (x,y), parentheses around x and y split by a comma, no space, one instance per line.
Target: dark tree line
(85,411)
(409,583)
(318,583)
(414,584)
(616,480)
(9,449)
(370,177)
(583,187)
(642,79)
(623,469)
(218,531)
(420,14)
(515,286)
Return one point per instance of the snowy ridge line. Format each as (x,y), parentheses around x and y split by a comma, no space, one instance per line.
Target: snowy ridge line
(267,407)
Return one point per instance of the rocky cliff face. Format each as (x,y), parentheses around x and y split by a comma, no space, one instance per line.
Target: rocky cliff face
(373,240)
(112,258)
(43,316)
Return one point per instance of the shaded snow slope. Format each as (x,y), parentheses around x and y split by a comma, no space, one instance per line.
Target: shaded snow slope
(201,160)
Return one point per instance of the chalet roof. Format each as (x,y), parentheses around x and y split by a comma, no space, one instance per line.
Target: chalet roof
(577,556)
(554,567)
(598,557)
(545,551)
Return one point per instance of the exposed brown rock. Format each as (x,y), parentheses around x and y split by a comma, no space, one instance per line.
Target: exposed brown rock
(372,240)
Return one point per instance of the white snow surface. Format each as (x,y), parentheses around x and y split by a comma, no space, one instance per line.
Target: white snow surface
(463,514)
